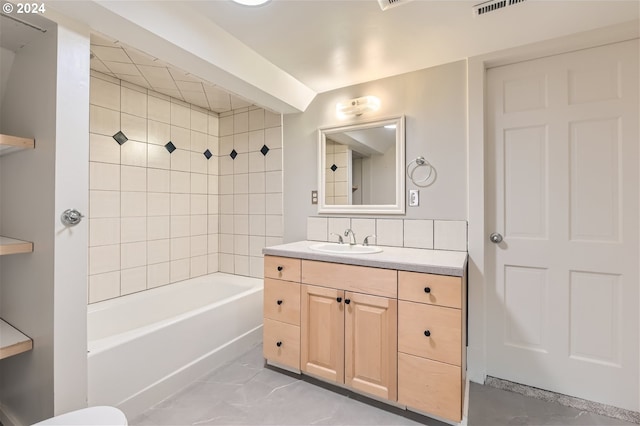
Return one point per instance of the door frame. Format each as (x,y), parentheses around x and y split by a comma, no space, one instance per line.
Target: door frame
(479,260)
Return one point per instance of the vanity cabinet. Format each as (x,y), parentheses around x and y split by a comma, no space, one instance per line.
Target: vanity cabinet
(394,335)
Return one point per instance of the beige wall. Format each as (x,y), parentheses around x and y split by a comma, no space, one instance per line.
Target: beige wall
(434,103)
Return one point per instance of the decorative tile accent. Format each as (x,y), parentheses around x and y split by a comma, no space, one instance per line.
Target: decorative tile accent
(233,154)
(334,168)
(120,137)
(264,150)
(208,154)
(170,147)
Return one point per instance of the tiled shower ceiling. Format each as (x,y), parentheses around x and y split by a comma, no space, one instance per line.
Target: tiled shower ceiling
(126,63)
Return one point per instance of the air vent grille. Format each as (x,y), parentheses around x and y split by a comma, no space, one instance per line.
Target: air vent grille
(493,5)
(388,4)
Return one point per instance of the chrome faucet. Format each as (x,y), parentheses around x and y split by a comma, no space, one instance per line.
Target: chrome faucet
(340,240)
(352,240)
(366,240)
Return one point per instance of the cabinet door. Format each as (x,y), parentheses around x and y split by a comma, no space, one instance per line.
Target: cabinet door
(371,344)
(322,332)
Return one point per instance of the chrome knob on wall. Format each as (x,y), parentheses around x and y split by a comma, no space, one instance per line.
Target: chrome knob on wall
(495,238)
(71,217)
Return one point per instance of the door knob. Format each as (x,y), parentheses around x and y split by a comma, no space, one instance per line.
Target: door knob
(495,238)
(71,217)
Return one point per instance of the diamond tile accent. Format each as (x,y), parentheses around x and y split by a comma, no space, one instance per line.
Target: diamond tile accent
(334,167)
(120,138)
(264,150)
(233,154)
(170,147)
(208,154)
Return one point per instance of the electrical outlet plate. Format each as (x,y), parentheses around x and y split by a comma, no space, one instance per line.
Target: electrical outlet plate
(314,197)
(414,198)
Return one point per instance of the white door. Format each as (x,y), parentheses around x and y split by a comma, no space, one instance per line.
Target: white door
(563,189)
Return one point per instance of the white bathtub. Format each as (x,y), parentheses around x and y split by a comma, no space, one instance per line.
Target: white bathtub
(146,346)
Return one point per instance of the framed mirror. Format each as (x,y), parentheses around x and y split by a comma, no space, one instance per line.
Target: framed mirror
(361,168)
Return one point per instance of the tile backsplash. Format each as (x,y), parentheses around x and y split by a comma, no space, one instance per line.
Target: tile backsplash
(167,201)
(414,233)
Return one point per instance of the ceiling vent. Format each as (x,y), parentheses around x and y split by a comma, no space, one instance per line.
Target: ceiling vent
(493,5)
(388,4)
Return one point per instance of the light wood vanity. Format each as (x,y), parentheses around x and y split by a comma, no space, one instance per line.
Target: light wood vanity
(392,333)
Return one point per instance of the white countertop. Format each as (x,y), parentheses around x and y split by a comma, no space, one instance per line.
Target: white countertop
(441,262)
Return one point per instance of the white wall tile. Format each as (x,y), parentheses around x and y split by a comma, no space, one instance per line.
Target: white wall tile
(257,224)
(134,128)
(199,142)
(213,243)
(213,127)
(199,121)
(133,229)
(158,251)
(158,275)
(226,184)
(158,180)
(317,228)
(181,160)
(158,157)
(256,244)
(212,223)
(273,225)
(256,162)
(180,115)
(133,178)
(272,119)
(241,142)
(241,122)
(226,223)
(180,182)
(418,233)
(241,224)
(273,137)
(273,204)
(133,204)
(158,133)
(212,184)
(199,245)
(199,266)
(133,280)
(274,160)
(226,263)
(104,286)
(158,227)
(273,241)
(103,121)
(134,102)
(212,263)
(104,204)
(180,226)
(179,270)
(199,163)
(337,225)
(256,119)
(180,248)
(226,146)
(134,153)
(198,183)
(226,204)
(226,125)
(241,265)
(256,140)
(104,94)
(450,235)
(104,231)
(226,243)
(241,204)
(256,267)
(213,204)
(159,109)
(104,176)
(103,149)
(241,163)
(133,255)
(364,228)
(214,146)
(199,204)
(241,183)
(104,259)
(198,224)
(257,183)
(225,164)
(273,181)
(257,203)
(180,204)
(181,138)
(390,232)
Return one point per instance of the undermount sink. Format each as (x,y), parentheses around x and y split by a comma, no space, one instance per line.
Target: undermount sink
(336,248)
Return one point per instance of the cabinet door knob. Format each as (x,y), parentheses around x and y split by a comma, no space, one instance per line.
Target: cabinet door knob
(338,299)
(279,302)
(347,301)
(427,333)
(427,290)
(278,344)
(280,268)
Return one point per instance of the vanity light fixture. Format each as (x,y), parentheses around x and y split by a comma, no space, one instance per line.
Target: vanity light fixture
(250,2)
(357,106)
(390,126)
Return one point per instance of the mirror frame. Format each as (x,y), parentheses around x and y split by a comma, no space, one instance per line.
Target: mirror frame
(375,209)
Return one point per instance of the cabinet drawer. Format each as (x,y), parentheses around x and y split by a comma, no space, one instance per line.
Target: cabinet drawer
(359,279)
(440,290)
(282,268)
(430,386)
(282,301)
(443,326)
(281,343)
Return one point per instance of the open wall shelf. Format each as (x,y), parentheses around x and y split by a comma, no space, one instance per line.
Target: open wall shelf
(13,246)
(12,341)
(10,144)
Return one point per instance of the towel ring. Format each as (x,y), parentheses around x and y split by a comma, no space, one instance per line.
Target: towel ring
(419,162)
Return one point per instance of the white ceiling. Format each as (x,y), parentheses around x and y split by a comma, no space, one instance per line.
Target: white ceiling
(327,44)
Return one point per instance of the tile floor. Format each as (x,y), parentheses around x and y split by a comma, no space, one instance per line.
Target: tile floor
(245,392)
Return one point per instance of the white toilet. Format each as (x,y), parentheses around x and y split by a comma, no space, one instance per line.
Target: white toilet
(92,416)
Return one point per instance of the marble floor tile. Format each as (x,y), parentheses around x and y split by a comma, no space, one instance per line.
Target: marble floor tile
(246,392)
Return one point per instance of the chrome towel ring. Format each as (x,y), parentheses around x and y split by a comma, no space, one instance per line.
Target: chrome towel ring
(417,163)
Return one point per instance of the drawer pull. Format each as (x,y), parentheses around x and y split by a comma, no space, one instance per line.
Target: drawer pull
(427,333)
(427,290)
(279,302)
(347,301)
(338,299)
(278,344)
(280,268)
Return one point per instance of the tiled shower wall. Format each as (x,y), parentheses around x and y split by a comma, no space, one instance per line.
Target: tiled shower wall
(154,205)
(250,188)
